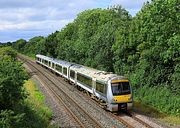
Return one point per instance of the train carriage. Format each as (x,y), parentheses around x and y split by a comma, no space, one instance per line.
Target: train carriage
(62,68)
(82,77)
(114,90)
(58,66)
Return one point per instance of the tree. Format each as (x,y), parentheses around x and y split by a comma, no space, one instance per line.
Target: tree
(51,44)
(89,39)
(31,46)
(19,45)
(12,77)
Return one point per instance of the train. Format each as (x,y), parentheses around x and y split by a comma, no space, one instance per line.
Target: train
(111,90)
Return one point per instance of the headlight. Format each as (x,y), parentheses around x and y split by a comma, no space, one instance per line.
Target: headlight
(114,100)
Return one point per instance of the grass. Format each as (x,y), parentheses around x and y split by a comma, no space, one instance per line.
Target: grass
(171,120)
(30,56)
(39,114)
(152,112)
(34,93)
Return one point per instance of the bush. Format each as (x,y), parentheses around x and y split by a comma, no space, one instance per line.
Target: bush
(12,76)
(8,119)
(160,98)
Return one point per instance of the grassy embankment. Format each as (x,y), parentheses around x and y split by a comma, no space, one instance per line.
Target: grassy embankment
(39,115)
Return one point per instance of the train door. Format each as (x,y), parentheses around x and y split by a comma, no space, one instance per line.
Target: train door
(68,72)
(94,86)
(75,78)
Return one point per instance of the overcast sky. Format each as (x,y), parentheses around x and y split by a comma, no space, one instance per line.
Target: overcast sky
(28,18)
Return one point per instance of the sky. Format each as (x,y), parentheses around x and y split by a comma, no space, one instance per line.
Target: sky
(24,19)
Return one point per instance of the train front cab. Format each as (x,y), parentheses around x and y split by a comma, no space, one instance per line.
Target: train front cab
(120,95)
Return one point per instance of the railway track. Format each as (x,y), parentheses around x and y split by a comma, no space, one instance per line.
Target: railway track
(128,119)
(131,121)
(82,118)
(140,121)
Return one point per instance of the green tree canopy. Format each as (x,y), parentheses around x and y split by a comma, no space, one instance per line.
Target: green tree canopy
(12,77)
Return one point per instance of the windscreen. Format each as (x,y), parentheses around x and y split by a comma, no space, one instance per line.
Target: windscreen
(120,88)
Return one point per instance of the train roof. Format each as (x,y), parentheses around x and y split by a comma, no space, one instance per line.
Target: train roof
(94,73)
(60,62)
(44,57)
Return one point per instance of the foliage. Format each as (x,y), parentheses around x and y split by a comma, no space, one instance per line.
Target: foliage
(31,114)
(7,51)
(19,45)
(37,114)
(167,103)
(9,119)
(149,52)
(12,77)
(51,45)
(15,110)
(5,44)
(31,47)
(88,40)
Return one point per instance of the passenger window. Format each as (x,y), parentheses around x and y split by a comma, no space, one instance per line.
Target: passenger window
(72,74)
(65,71)
(58,68)
(101,87)
(84,79)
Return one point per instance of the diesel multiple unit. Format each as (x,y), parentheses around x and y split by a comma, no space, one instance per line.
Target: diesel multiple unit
(113,90)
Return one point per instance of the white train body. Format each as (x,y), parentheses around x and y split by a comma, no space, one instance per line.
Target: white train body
(114,90)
